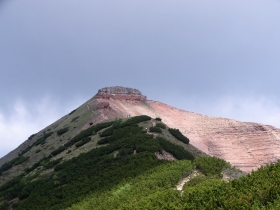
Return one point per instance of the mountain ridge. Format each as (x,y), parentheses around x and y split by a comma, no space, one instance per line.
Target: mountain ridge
(256,144)
(120,148)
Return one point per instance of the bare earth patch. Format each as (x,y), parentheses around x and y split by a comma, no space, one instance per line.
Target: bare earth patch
(165,156)
(186,179)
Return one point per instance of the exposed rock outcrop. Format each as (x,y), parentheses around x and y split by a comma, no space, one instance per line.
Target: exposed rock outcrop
(103,105)
(120,93)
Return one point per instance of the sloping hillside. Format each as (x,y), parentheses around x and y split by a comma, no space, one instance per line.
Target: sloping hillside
(94,161)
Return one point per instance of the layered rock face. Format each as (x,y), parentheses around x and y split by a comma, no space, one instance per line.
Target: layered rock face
(120,93)
(245,145)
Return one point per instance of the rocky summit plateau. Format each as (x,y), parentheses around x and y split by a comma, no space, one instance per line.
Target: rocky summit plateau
(245,145)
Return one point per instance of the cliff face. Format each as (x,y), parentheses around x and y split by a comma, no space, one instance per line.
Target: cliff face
(245,145)
(120,93)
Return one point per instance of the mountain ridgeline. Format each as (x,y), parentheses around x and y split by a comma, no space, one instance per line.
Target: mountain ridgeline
(101,157)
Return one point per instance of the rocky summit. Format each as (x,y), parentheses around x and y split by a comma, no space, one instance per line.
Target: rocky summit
(120,93)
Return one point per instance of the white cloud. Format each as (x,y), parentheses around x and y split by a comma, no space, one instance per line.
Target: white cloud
(27,118)
(261,109)
(258,109)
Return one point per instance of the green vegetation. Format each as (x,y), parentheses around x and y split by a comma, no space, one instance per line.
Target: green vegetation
(20,160)
(124,173)
(155,130)
(41,162)
(30,137)
(158,119)
(97,171)
(16,161)
(25,150)
(52,163)
(178,151)
(84,141)
(152,189)
(39,141)
(62,131)
(43,139)
(72,111)
(107,132)
(155,190)
(58,150)
(178,135)
(88,132)
(211,166)
(160,125)
(135,120)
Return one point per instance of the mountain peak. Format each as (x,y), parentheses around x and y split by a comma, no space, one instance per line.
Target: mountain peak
(120,93)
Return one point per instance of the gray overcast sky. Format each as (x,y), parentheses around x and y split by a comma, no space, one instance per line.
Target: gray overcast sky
(214,57)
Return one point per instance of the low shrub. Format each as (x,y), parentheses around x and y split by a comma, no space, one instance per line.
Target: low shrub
(58,150)
(72,111)
(52,163)
(196,180)
(178,135)
(158,119)
(178,151)
(211,166)
(42,139)
(104,141)
(41,162)
(62,131)
(160,125)
(25,150)
(20,160)
(126,152)
(107,132)
(30,137)
(84,141)
(155,130)
(135,120)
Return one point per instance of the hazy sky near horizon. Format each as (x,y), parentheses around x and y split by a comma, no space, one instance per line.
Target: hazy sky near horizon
(214,57)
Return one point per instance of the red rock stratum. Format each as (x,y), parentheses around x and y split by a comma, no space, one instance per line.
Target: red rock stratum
(245,145)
